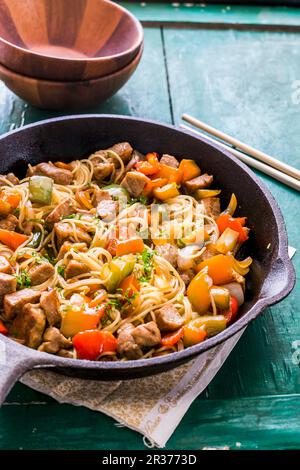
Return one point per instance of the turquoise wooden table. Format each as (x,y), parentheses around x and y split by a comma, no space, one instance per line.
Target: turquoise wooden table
(237,68)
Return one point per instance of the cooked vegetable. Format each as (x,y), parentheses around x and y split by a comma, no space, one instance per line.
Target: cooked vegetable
(193,333)
(12,239)
(134,245)
(3,329)
(117,270)
(76,320)
(231,313)
(171,339)
(189,170)
(100,297)
(149,167)
(231,208)
(205,193)
(152,184)
(92,343)
(220,268)
(198,291)
(235,289)
(116,191)
(36,240)
(40,188)
(227,241)
(226,221)
(166,192)
(221,297)
(212,324)
(173,175)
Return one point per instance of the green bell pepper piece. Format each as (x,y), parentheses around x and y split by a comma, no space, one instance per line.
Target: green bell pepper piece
(40,188)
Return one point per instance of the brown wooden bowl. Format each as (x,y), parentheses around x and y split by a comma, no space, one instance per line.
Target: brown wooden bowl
(67,40)
(67,95)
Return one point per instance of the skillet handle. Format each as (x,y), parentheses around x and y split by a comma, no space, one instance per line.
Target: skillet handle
(14,362)
(280,281)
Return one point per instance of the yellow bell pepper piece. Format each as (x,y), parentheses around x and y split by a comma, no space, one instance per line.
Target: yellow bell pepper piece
(166,192)
(193,334)
(212,324)
(198,291)
(74,321)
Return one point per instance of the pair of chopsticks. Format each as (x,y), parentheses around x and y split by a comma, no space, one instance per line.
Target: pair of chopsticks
(255,158)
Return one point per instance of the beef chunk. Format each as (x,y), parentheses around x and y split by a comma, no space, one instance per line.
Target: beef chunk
(212,206)
(9,223)
(169,160)
(146,335)
(127,346)
(123,149)
(169,252)
(59,175)
(64,231)
(65,353)
(5,266)
(54,340)
(134,182)
(100,195)
(107,209)
(8,284)
(11,178)
(75,268)
(50,304)
(168,318)
(29,325)
(103,170)
(63,209)
(40,273)
(14,302)
(66,246)
(200,182)
(187,276)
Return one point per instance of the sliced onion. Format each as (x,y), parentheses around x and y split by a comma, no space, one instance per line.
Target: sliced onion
(231,208)
(186,256)
(236,290)
(242,267)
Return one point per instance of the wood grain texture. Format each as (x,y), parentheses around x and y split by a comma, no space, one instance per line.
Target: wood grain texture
(69,40)
(51,94)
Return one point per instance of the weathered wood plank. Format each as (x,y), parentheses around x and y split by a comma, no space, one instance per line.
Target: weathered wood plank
(250,423)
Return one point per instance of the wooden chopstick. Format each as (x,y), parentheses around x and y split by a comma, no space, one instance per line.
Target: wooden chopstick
(268,170)
(263,157)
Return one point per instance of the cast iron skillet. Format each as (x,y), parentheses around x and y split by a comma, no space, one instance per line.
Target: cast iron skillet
(272,276)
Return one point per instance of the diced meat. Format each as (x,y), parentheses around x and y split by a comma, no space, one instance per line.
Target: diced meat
(187,276)
(65,353)
(66,246)
(5,266)
(123,149)
(75,268)
(10,177)
(54,340)
(8,284)
(134,182)
(59,175)
(146,335)
(65,231)
(13,303)
(169,252)
(169,160)
(40,273)
(50,304)
(29,325)
(107,209)
(100,195)
(212,206)
(9,223)
(200,182)
(103,170)
(168,318)
(63,209)
(126,345)
(135,158)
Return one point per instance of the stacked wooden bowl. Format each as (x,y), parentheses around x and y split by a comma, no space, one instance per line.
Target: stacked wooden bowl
(67,54)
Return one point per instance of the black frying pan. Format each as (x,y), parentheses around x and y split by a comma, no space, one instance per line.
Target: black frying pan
(272,276)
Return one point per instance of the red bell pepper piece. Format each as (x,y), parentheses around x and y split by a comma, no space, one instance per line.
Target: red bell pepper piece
(90,344)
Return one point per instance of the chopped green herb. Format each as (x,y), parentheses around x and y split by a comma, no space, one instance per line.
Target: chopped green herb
(130,296)
(147,259)
(61,270)
(142,199)
(23,279)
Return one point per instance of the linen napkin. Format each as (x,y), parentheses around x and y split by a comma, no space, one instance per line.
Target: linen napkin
(152,406)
